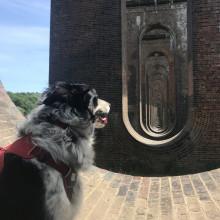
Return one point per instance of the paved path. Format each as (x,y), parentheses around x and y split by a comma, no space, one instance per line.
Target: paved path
(111,196)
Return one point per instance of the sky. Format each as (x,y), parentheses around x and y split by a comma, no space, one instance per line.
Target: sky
(24,44)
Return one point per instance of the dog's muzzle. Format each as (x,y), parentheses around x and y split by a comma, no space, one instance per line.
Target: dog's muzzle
(101,117)
(101,113)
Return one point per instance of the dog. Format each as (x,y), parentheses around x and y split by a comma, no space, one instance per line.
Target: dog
(61,131)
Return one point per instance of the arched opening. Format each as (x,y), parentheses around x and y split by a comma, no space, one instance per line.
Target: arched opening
(157,80)
(155,71)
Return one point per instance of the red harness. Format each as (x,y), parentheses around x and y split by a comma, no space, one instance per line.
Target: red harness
(24,148)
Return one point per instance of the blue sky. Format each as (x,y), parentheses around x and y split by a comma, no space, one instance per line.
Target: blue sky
(24,44)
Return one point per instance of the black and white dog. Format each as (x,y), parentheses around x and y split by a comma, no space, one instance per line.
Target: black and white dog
(62,130)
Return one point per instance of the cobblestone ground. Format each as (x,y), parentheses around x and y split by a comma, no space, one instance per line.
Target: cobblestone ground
(111,196)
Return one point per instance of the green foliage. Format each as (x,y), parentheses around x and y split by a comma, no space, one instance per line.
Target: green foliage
(25,102)
(21,110)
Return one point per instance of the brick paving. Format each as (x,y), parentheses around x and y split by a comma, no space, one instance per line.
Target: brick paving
(111,196)
(115,196)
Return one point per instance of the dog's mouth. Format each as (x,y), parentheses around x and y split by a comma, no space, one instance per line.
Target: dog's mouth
(101,113)
(100,119)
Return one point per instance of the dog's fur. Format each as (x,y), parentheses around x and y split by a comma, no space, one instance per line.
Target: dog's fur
(31,190)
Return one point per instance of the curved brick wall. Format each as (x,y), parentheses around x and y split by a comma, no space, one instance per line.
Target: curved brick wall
(86,47)
(9,117)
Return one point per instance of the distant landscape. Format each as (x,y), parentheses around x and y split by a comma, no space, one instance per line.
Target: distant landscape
(25,101)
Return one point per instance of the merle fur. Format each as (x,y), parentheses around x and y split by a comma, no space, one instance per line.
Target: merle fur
(30,190)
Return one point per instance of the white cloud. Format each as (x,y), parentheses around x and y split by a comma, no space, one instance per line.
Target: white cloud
(24,36)
(5,57)
(3,70)
(24,44)
(27,4)
(24,57)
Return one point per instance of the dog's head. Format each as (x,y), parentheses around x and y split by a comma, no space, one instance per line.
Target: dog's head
(80,98)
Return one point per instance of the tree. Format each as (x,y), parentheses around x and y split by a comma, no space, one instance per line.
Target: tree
(25,102)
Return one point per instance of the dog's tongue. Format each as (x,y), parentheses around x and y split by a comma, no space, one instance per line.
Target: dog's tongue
(104,120)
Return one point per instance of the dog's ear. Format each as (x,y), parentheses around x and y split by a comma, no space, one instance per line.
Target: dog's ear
(47,98)
(55,93)
(42,98)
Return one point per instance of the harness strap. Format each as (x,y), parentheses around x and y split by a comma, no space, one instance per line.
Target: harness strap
(21,147)
(25,148)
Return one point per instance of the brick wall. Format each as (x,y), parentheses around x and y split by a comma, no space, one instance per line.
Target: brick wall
(86,47)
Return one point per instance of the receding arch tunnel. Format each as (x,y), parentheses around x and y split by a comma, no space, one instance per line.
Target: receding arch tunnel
(157,112)
(156,75)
